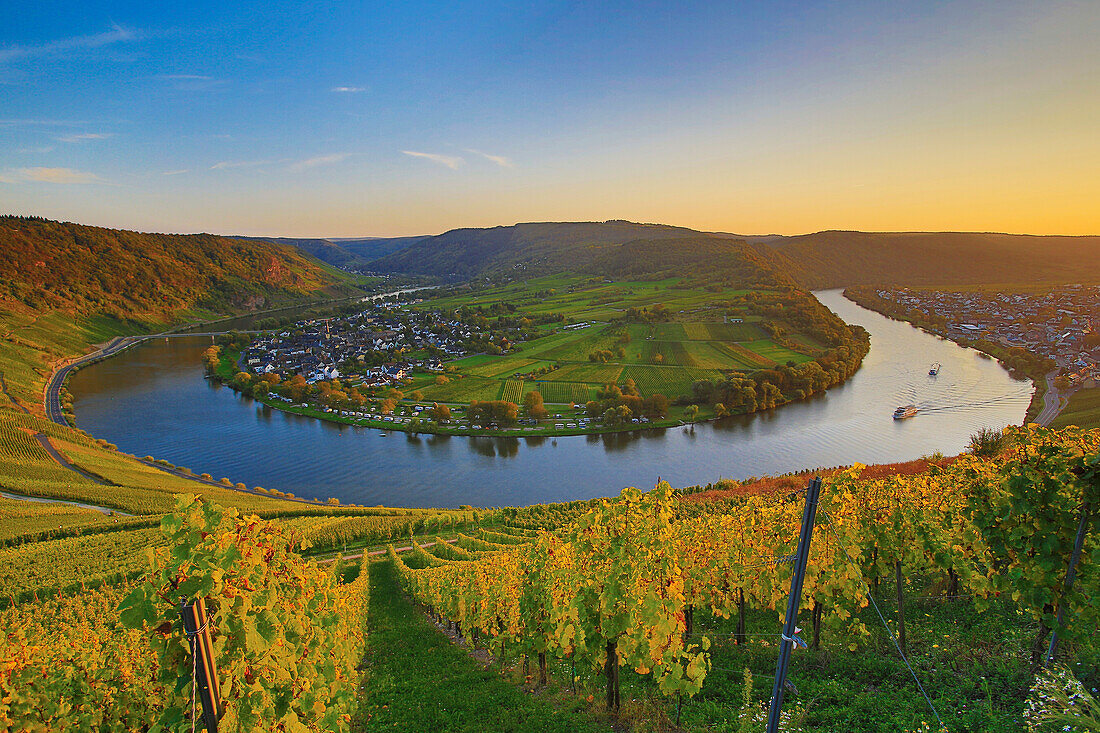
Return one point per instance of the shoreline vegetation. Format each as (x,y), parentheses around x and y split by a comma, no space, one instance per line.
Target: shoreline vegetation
(614,332)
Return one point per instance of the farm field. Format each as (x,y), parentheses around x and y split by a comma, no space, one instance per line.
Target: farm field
(608,336)
(1083,410)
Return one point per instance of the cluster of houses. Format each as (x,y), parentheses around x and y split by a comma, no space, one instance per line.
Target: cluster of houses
(330,348)
(1057,325)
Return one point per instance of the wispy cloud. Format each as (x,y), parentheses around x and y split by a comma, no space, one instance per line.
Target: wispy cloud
(498,159)
(57,175)
(117,34)
(227,164)
(85,136)
(348,90)
(35,151)
(176,173)
(318,160)
(9,122)
(193,82)
(451,161)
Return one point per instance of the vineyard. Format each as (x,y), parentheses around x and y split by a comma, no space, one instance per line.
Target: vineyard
(657,606)
(560,392)
(77,663)
(631,583)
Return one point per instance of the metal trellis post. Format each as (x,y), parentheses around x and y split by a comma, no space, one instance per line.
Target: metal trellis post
(787,641)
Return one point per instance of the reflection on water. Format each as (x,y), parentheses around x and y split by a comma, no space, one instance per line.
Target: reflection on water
(153,400)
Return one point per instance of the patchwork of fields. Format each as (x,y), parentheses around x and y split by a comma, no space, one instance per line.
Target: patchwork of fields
(692,339)
(664,358)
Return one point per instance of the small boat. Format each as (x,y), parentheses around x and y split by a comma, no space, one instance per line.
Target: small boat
(905,411)
(934,370)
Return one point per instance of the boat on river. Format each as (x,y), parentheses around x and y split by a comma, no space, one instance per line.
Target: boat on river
(934,370)
(905,411)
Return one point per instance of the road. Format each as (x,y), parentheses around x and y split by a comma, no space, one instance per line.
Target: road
(39,499)
(54,413)
(4,389)
(57,381)
(1053,402)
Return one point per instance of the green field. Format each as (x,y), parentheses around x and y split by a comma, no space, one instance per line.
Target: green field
(464,389)
(1083,410)
(697,334)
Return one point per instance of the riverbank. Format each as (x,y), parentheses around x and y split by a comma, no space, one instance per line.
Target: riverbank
(565,419)
(153,400)
(1038,376)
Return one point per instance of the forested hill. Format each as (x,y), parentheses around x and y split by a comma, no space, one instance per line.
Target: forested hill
(535,248)
(702,257)
(347,254)
(946,259)
(49,264)
(819,260)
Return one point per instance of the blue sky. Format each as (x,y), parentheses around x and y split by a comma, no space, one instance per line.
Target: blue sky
(344,119)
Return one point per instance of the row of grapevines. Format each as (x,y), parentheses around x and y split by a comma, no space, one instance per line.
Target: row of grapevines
(622,581)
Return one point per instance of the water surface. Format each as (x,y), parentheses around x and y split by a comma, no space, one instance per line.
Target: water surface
(153,400)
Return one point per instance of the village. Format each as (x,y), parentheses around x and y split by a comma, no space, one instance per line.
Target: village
(1057,325)
(376,347)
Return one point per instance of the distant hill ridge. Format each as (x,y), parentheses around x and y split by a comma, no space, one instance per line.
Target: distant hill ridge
(536,248)
(820,260)
(944,259)
(343,252)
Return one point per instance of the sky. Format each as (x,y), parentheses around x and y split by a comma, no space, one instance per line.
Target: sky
(383,119)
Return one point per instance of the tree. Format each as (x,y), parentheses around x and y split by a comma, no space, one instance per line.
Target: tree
(691,412)
(442,379)
(533,405)
(439,413)
(493,412)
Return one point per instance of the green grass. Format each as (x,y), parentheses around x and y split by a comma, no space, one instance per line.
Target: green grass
(973,664)
(464,389)
(709,356)
(1083,410)
(416,680)
(779,354)
(502,366)
(591,372)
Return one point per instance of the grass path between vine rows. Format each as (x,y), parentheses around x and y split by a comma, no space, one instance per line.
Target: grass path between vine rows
(416,680)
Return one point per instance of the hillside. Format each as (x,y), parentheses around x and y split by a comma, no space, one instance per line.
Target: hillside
(371,248)
(322,249)
(698,256)
(947,259)
(819,260)
(534,248)
(345,253)
(90,270)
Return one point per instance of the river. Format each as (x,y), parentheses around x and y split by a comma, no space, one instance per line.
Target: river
(153,400)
